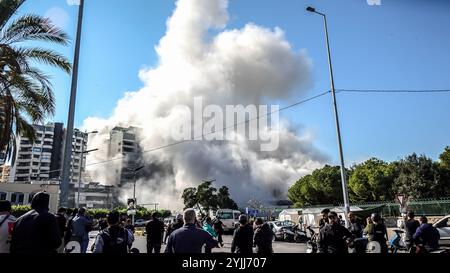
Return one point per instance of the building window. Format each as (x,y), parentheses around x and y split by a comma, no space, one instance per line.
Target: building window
(17,198)
(3,195)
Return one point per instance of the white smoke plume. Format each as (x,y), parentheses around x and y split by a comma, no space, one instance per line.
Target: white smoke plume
(252,65)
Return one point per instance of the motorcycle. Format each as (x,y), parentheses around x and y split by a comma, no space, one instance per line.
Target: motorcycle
(397,243)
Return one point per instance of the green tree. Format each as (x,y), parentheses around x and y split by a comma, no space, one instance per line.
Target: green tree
(26,93)
(224,200)
(444,166)
(205,198)
(418,177)
(372,181)
(323,186)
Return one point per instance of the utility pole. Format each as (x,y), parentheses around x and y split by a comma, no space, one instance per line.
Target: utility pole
(64,195)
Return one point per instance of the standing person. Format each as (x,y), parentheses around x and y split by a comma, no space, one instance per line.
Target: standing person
(207,226)
(189,239)
(6,225)
(333,237)
(114,239)
(155,231)
(410,226)
(324,220)
(377,232)
(263,237)
(69,228)
(357,230)
(174,226)
(130,226)
(37,231)
(243,237)
(218,227)
(426,237)
(81,226)
(62,225)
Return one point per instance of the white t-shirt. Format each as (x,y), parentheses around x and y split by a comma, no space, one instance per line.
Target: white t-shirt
(5,232)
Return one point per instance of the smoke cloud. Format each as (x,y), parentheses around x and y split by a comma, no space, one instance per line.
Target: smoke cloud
(248,66)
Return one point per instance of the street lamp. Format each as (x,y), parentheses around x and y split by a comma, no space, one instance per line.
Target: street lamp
(336,116)
(134,186)
(64,195)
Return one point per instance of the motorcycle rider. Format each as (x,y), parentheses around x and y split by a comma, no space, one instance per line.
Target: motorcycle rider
(426,237)
(333,237)
(410,226)
(377,232)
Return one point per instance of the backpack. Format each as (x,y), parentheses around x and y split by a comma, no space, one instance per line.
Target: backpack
(117,245)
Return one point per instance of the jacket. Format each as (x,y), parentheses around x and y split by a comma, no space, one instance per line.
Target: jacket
(189,239)
(263,239)
(80,227)
(427,235)
(410,226)
(37,231)
(61,224)
(155,230)
(208,228)
(332,239)
(242,240)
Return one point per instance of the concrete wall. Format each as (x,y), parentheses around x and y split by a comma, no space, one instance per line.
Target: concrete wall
(29,189)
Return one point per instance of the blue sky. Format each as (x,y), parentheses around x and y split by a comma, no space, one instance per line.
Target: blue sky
(402,44)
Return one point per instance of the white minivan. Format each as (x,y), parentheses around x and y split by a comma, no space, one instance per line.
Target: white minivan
(229,218)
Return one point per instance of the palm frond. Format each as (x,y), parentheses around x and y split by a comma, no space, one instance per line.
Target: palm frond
(49,57)
(32,27)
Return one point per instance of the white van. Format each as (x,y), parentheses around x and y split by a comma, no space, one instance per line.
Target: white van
(229,218)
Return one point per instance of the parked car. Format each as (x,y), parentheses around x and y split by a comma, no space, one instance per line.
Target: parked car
(279,228)
(140,223)
(443,226)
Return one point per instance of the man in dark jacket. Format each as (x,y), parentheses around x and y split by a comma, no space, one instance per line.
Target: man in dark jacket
(324,220)
(333,237)
(377,232)
(410,226)
(61,219)
(243,237)
(218,227)
(114,239)
(174,226)
(37,231)
(263,237)
(426,236)
(155,231)
(189,239)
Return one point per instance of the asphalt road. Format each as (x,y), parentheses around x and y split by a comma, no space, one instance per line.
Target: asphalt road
(278,247)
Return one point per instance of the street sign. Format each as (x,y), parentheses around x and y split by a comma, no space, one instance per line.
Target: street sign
(401,199)
(131,212)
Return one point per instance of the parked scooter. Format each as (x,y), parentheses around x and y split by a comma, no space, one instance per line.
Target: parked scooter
(397,243)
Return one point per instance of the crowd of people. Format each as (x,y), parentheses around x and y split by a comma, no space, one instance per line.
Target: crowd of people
(39,231)
(420,236)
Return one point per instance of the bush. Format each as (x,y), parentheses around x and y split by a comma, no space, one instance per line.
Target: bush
(19,210)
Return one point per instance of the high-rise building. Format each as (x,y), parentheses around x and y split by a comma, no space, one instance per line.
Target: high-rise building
(124,142)
(41,159)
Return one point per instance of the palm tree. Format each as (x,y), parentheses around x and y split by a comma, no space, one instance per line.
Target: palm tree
(26,95)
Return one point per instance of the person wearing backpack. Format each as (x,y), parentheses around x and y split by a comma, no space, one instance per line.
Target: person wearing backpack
(114,239)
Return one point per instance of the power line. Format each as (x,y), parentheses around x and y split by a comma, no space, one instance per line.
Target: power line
(393,91)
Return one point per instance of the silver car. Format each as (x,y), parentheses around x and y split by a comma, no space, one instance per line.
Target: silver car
(443,226)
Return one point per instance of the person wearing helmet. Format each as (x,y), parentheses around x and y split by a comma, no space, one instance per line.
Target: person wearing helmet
(333,237)
(377,232)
